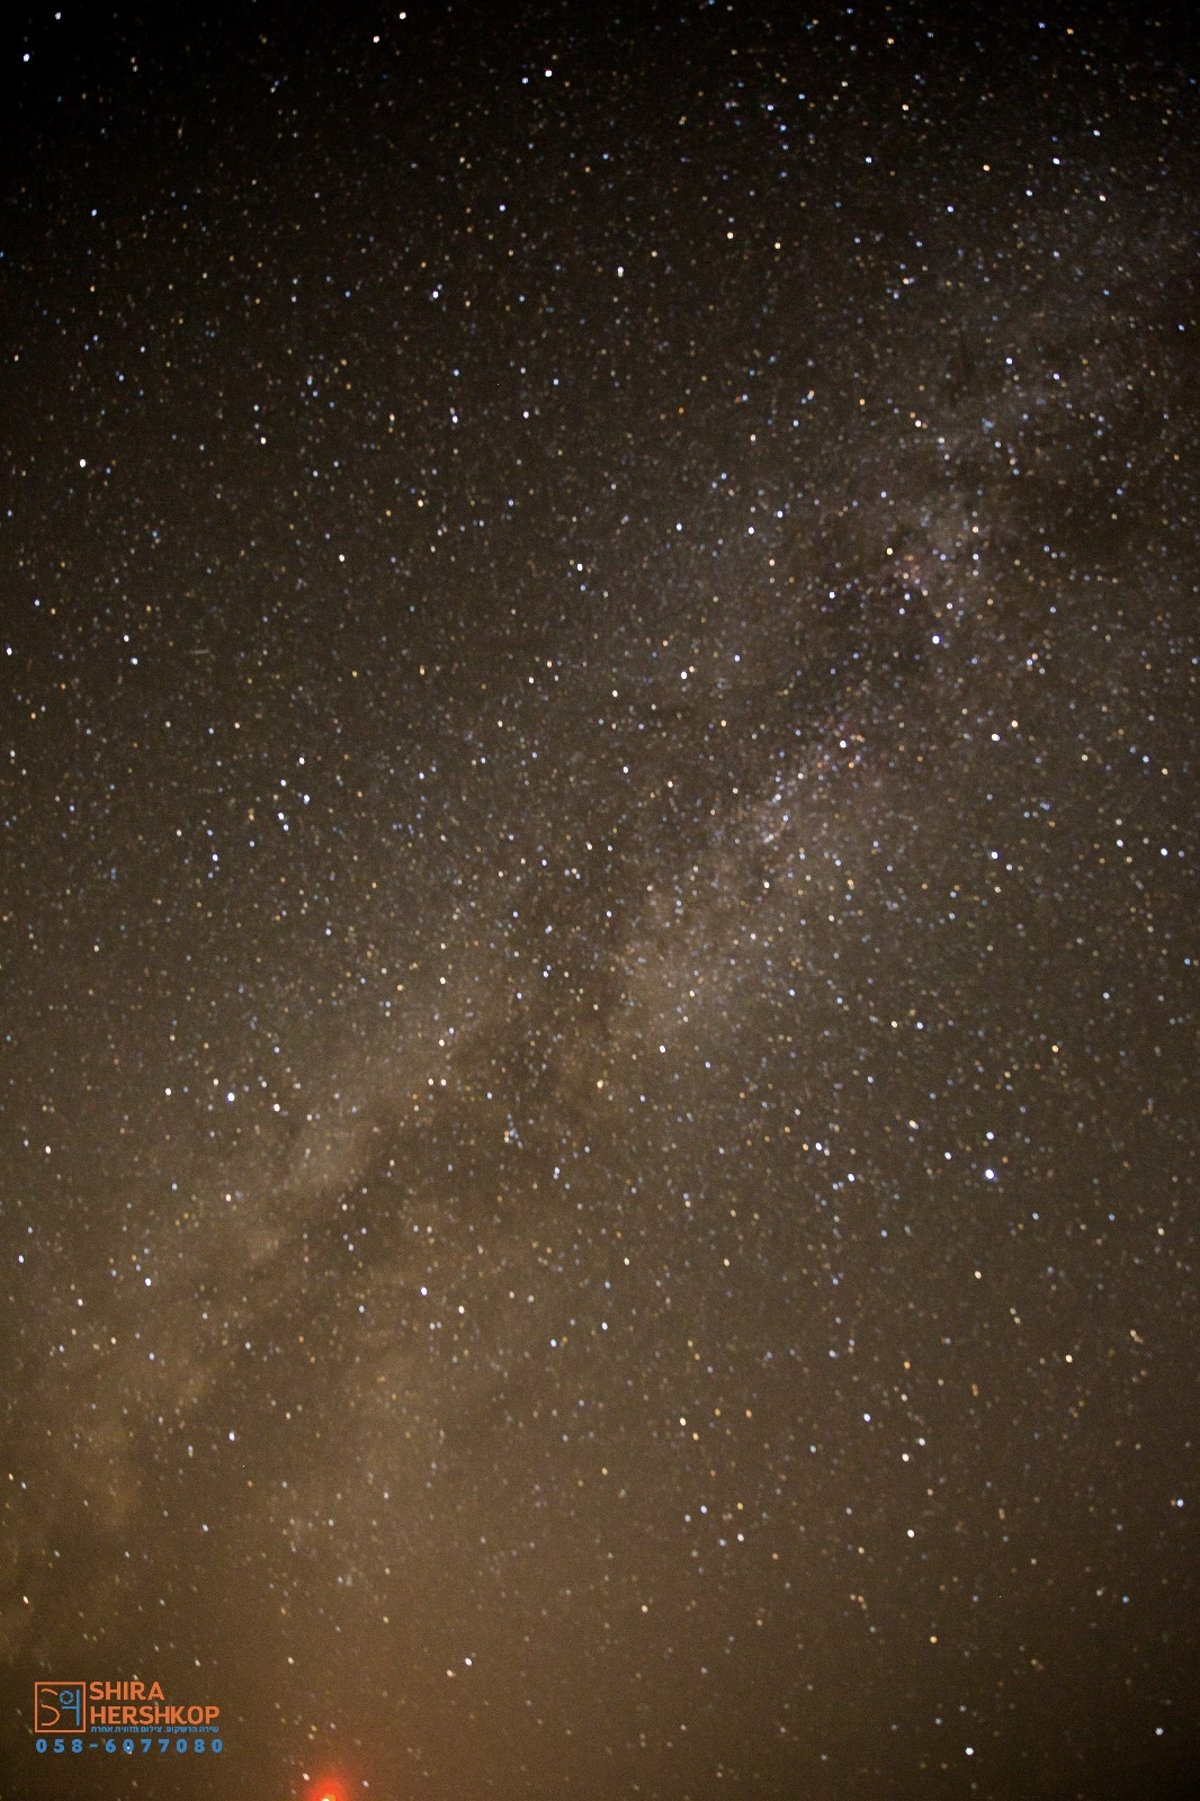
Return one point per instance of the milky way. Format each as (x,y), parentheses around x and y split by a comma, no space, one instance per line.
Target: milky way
(598,908)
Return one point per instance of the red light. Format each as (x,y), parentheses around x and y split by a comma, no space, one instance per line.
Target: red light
(328,1788)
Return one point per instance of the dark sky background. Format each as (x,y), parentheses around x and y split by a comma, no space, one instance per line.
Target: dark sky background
(598,916)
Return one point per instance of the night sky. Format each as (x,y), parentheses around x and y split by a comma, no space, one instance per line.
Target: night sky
(598,911)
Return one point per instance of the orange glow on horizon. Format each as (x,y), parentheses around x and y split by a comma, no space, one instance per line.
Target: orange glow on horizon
(326,1788)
